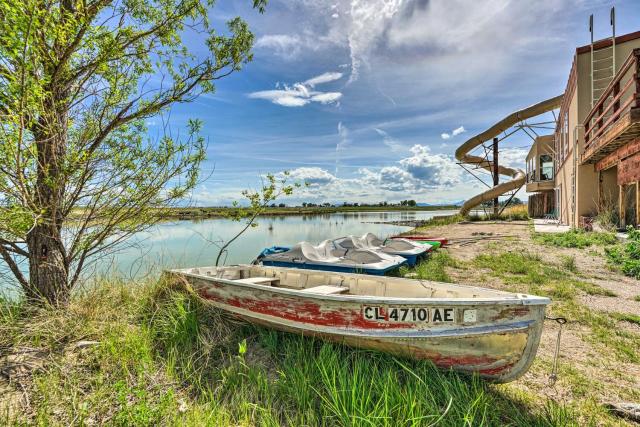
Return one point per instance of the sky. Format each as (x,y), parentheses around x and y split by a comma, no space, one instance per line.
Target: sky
(367,100)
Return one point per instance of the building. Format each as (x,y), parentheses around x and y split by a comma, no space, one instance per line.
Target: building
(540,176)
(596,145)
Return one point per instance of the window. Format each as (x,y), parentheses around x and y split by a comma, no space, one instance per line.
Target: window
(546,167)
(565,136)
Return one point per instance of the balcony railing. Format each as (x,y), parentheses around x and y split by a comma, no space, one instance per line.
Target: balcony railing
(532,177)
(611,117)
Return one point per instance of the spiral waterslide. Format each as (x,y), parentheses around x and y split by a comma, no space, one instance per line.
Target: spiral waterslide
(517,175)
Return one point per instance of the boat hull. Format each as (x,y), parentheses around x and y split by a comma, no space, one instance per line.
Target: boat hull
(499,346)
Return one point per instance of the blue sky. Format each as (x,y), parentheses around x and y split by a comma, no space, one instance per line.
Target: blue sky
(367,99)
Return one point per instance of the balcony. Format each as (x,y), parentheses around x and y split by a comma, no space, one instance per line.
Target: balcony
(615,118)
(537,183)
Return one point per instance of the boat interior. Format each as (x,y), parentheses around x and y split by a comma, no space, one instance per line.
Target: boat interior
(333,283)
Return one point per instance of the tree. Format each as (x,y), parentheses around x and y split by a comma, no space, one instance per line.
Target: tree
(78,80)
(411,203)
(272,189)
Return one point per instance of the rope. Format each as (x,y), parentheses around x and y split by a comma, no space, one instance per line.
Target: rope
(553,377)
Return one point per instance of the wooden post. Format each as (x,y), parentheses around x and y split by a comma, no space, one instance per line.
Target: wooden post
(637,204)
(601,201)
(621,205)
(496,175)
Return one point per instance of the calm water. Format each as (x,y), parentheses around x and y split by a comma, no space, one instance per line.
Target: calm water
(194,243)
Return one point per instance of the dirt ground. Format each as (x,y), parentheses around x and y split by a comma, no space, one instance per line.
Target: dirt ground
(589,372)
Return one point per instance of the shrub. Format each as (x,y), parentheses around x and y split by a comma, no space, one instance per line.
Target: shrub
(627,255)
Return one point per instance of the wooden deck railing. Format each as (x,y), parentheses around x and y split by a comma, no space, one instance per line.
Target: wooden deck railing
(622,94)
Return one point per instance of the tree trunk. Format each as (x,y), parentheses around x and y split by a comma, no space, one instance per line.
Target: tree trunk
(48,275)
(48,262)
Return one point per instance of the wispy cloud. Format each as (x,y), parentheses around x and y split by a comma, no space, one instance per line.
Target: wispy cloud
(389,141)
(285,45)
(301,94)
(323,78)
(457,131)
(343,141)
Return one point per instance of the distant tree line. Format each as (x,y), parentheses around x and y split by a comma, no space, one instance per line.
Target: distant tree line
(514,201)
(408,203)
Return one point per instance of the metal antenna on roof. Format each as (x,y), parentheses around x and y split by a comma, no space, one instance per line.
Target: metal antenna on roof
(591,31)
(613,37)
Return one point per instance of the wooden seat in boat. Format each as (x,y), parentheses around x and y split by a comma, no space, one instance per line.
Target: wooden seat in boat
(325,290)
(258,280)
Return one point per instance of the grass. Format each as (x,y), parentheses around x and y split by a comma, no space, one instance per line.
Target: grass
(627,317)
(626,256)
(433,268)
(575,239)
(525,268)
(163,357)
(569,263)
(528,273)
(511,213)
(437,221)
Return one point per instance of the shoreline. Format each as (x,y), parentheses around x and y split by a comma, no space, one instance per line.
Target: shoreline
(222,212)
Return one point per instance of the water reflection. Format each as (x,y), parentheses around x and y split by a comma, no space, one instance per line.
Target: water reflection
(196,242)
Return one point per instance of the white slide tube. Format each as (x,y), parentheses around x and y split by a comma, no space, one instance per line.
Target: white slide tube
(517,175)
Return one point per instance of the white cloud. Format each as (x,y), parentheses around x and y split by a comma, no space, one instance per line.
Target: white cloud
(369,19)
(326,98)
(513,157)
(457,131)
(431,170)
(301,94)
(312,176)
(323,78)
(421,173)
(285,45)
(402,37)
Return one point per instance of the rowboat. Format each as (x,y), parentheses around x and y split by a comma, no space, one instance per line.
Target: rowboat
(407,249)
(327,257)
(468,329)
(443,240)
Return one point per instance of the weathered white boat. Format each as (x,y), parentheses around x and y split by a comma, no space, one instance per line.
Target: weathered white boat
(468,329)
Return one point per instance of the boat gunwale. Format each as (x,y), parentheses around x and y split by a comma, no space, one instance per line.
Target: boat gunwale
(514,299)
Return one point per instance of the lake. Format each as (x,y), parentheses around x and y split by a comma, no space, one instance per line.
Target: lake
(193,243)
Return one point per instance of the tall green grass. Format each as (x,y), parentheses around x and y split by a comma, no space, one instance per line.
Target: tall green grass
(163,357)
(433,268)
(576,239)
(276,378)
